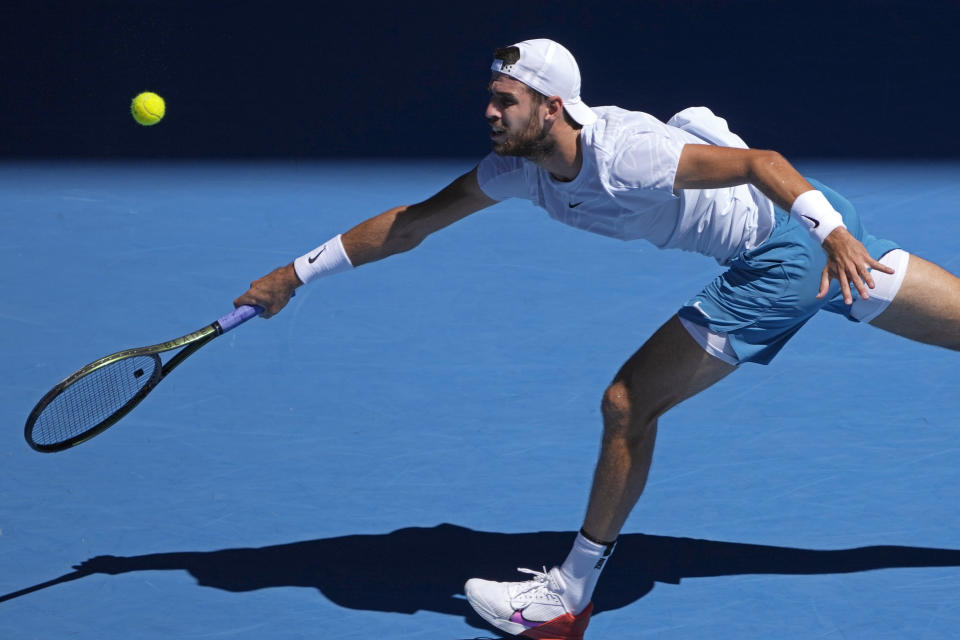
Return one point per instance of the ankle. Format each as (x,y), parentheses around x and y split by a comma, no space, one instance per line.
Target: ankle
(581,570)
(595,540)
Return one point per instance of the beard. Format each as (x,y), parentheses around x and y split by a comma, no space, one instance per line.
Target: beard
(531,143)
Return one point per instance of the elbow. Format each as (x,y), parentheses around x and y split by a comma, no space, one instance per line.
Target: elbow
(765,164)
(765,160)
(405,243)
(404,234)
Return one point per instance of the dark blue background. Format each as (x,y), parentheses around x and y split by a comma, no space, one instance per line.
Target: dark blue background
(283,79)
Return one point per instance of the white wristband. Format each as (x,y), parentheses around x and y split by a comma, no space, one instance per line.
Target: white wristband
(815,212)
(326,260)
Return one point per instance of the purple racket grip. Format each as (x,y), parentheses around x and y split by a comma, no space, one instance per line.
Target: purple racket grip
(237,317)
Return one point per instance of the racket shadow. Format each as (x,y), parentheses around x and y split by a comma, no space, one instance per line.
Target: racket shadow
(417,568)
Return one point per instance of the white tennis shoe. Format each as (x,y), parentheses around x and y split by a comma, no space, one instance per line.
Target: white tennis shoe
(531,608)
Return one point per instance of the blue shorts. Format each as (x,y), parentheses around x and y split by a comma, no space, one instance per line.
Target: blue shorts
(769,292)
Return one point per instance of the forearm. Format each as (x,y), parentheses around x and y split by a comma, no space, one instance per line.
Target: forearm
(403,228)
(709,167)
(776,178)
(380,236)
(373,239)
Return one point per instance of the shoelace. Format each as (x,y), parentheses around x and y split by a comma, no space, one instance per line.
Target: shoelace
(541,580)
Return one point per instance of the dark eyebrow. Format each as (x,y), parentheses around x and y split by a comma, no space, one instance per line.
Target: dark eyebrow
(500,93)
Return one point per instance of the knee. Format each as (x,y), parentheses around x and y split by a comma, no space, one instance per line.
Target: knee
(616,402)
(625,414)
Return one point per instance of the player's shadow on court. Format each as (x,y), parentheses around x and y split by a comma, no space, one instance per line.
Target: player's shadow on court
(424,568)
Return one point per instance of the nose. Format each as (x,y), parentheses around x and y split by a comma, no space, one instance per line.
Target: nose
(492,114)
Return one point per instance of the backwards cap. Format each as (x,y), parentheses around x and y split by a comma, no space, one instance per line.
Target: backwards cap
(546,66)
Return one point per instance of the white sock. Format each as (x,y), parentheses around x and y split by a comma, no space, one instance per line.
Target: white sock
(581,570)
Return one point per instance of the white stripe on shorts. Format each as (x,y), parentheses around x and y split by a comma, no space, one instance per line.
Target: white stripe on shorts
(716,344)
(887,286)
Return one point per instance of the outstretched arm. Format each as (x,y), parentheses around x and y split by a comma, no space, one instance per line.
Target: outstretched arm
(394,231)
(403,228)
(710,167)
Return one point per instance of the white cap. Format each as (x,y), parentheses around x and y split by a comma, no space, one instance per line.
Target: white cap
(546,66)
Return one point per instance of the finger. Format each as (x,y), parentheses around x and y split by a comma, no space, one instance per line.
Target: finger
(865,275)
(824,282)
(273,307)
(247,299)
(879,266)
(862,289)
(859,276)
(845,288)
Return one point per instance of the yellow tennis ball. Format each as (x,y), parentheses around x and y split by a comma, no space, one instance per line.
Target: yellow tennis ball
(148,108)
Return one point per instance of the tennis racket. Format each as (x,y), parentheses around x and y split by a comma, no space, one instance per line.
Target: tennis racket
(94,398)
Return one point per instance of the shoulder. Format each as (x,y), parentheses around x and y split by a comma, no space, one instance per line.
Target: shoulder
(636,150)
(502,177)
(494,165)
(616,127)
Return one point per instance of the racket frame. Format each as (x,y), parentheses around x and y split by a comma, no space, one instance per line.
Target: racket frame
(189,344)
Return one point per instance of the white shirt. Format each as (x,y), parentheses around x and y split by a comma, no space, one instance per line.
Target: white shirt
(625,186)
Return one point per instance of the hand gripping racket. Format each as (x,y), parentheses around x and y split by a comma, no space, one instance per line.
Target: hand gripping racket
(95,397)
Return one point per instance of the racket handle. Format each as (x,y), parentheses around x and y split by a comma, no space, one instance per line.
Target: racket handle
(237,317)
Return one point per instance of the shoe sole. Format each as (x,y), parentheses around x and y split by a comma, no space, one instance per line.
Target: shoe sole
(565,627)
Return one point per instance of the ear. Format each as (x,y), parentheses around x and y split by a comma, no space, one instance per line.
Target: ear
(554,105)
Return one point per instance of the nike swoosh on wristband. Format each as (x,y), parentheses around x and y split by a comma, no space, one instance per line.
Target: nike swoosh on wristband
(816,223)
(313,259)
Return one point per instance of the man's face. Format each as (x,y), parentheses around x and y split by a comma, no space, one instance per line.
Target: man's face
(516,120)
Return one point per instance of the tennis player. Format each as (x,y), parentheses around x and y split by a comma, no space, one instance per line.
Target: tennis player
(791,247)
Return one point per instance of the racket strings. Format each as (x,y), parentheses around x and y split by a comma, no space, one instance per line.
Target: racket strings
(94,398)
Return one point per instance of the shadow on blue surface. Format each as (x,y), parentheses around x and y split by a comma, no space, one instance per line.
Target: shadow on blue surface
(419,568)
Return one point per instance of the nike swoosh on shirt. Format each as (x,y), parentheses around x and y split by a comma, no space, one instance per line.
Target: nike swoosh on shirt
(313,259)
(574,205)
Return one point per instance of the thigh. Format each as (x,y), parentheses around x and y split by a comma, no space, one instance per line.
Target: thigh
(669,368)
(927,306)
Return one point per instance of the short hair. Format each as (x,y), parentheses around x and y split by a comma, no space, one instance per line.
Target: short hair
(507,55)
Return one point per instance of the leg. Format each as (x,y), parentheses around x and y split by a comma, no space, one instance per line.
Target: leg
(668,369)
(927,306)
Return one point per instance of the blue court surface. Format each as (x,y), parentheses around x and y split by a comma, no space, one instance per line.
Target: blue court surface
(340,470)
